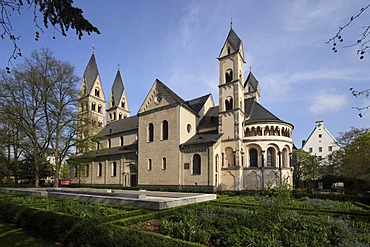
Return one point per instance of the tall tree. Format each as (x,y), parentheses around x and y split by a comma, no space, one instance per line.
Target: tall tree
(41,100)
(356,162)
(306,167)
(60,14)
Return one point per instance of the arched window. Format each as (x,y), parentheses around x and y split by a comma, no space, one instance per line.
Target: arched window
(93,106)
(100,169)
(110,116)
(253,157)
(230,158)
(271,161)
(120,115)
(164,130)
(285,161)
(229,75)
(99,108)
(97,92)
(150,132)
(228,103)
(121,140)
(114,169)
(149,164)
(109,143)
(123,103)
(164,163)
(114,116)
(196,164)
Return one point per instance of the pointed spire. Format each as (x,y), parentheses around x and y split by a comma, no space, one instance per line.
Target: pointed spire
(93,49)
(117,88)
(90,74)
(231,23)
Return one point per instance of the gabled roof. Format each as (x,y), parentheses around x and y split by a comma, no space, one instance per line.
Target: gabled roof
(170,92)
(202,139)
(117,89)
(118,126)
(210,119)
(327,131)
(175,99)
(257,113)
(197,103)
(252,81)
(90,74)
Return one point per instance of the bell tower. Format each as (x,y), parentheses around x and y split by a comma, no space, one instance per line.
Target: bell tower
(231,97)
(117,102)
(91,103)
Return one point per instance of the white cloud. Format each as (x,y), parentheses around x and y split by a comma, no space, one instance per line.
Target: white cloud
(324,102)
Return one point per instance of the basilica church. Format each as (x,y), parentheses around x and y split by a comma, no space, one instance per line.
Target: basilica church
(232,144)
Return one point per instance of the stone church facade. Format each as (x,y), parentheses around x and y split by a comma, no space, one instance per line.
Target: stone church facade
(171,142)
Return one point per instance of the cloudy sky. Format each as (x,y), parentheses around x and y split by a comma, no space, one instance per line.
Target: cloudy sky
(301,79)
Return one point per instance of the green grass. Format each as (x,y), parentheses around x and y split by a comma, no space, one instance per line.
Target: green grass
(11,236)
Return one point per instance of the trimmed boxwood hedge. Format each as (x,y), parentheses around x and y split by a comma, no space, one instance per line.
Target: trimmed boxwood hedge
(72,231)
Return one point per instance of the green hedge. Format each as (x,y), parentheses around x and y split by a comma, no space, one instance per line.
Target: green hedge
(365,199)
(52,226)
(86,233)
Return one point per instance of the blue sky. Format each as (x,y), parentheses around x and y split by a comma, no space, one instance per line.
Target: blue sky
(301,79)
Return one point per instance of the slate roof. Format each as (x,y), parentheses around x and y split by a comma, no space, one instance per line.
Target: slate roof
(90,74)
(202,139)
(257,113)
(170,92)
(210,119)
(234,40)
(117,89)
(122,125)
(131,148)
(252,81)
(197,103)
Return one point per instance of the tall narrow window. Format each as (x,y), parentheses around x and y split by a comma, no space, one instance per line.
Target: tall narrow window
(114,169)
(164,130)
(229,103)
(271,157)
(123,103)
(121,140)
(97,92)
(196,164)
(229,75)
(114,116)
(99,108)
(109,143)
(87,170)
(149,164)
(93,106)
(164,163)
(120,115)
(253,158)
(100,169)
(150,132)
